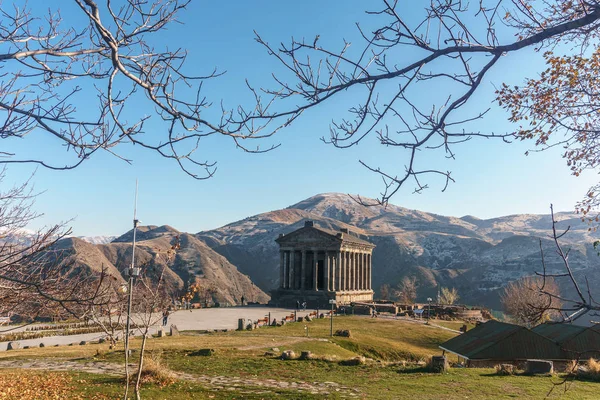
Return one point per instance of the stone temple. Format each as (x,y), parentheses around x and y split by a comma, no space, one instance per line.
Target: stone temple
(318,264)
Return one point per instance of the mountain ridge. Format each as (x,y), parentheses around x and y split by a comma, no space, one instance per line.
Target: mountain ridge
(193,262)
(478,256)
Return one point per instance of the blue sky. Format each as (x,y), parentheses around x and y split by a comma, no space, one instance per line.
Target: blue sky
(492,178)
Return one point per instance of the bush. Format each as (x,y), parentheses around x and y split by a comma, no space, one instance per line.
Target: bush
(153,371)
(590,370)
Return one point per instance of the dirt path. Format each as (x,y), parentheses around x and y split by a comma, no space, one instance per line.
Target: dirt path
(246,385)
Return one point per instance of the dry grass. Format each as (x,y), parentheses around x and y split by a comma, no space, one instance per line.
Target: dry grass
(590,370)
(154,371)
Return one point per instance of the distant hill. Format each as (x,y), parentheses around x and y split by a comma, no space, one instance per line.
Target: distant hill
(478,257)
(194,260)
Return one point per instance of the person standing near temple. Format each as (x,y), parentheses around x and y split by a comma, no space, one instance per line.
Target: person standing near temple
(243,299)
(165,316)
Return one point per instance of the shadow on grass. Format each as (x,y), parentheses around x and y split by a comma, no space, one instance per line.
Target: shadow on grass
(417,370)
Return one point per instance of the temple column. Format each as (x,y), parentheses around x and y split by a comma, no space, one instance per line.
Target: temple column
(338,270)
(281,260)
(342,272)
(346,277)
(359,271)
(291,270)
(286,272)
(352,273)
(303,270)
(315,270)
(349,270)
(333,270)
(363,275)
(368,272)
(356,266)
(327,271)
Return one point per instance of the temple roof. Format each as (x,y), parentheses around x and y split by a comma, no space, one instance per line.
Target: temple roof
(342,237)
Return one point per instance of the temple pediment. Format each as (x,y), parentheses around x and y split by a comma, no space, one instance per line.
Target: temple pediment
(309,237)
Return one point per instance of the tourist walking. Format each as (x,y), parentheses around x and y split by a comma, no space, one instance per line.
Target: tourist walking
(165,317)
(373,312)
(243,298)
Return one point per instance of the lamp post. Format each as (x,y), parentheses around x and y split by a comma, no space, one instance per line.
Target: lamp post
(332,302)
(132,273)
(429,300)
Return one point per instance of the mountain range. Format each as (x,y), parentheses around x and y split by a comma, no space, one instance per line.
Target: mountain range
(476,256)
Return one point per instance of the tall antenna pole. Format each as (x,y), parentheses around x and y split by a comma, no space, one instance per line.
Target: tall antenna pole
(131,273)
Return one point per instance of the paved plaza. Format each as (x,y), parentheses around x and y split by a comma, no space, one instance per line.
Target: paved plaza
(185,320)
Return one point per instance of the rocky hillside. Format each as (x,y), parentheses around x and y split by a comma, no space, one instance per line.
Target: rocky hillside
(478,257)
(193,261)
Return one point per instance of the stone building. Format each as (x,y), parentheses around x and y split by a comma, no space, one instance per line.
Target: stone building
(318,264)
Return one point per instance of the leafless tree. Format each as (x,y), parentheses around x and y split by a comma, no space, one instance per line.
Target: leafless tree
(150,298)
(406,290)
(384,291)
(571,307)
(201,289)
(447,52)
(104,56)
(33,280)
(449,296)
(527,305)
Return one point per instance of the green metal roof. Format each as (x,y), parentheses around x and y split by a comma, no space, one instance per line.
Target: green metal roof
(472,342)
(495,340)
(558,332)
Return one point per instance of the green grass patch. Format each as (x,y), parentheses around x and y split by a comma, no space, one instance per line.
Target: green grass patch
(239,360)
(387,340)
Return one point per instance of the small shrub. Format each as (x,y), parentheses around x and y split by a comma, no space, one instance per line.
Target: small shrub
(153,371)
(590,370)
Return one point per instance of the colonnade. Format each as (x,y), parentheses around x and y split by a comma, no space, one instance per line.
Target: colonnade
(331,270)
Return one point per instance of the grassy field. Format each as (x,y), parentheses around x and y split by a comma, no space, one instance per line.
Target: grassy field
(245,365)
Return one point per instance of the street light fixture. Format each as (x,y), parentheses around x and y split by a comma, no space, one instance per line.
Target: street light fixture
(332,302)
(132,273)
(429,300)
